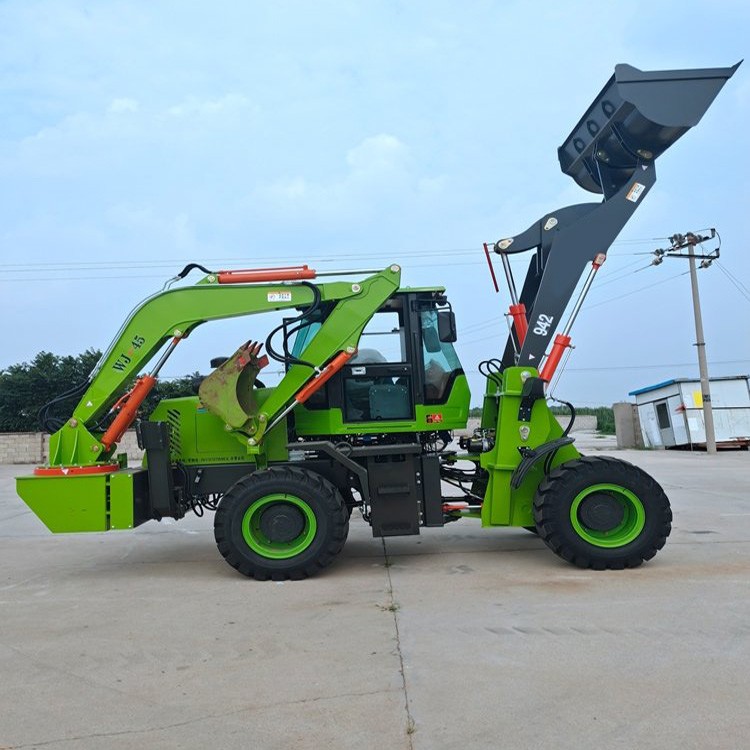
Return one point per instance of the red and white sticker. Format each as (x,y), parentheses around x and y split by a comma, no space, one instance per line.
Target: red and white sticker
(434,418)
(279,296)
(635,192)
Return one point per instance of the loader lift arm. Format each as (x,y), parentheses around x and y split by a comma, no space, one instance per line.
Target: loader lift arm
(611,150)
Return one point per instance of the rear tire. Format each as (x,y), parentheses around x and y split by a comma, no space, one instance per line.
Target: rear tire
(281,523)
(602,513)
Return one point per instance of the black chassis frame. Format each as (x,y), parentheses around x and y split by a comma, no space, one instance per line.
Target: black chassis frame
(399,484)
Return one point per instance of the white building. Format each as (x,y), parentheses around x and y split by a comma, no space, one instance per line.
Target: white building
(671,413)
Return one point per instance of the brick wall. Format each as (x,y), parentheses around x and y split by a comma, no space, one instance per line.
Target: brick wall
(33,448)
(22,447)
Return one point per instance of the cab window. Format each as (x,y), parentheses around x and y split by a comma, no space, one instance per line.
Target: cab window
(441,363)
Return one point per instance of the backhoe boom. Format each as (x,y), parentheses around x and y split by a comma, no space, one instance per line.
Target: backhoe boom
(173,314)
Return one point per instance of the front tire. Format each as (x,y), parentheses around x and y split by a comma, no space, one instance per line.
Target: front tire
(281,523)
(602,513)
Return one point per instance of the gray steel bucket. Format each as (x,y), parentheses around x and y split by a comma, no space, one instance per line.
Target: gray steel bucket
(636,117)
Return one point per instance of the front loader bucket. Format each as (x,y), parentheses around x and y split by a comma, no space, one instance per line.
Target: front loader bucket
(636,117)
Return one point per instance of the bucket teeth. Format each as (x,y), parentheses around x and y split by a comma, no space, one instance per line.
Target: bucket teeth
(228,391)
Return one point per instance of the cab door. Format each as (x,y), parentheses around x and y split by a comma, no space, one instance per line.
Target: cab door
(377,382)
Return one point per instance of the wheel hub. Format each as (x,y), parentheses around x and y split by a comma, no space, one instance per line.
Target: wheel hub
(601,512)
(282,522)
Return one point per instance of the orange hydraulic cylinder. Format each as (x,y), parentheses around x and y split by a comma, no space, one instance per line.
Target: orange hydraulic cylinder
(325,375)
(562,342)
(518,313)
(288,273)
(129,409)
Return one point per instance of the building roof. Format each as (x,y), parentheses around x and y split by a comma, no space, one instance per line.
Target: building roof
(656,386)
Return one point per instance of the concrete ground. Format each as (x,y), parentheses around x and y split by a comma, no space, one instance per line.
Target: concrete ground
(459,638)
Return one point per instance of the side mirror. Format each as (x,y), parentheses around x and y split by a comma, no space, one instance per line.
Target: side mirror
(446,325)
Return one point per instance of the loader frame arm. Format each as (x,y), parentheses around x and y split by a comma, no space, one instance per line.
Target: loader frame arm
(565,242)
(612,151)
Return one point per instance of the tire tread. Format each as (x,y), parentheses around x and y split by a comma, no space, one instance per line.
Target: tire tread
(550,513)
(267,481)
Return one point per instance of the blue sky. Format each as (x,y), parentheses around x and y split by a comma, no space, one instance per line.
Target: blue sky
(136,137)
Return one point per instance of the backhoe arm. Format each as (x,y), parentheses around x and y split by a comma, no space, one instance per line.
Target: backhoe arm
(173,314)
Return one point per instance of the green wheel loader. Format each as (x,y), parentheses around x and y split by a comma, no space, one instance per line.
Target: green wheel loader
(372,391)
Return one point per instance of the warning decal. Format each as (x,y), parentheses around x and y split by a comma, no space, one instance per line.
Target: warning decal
(635,192)
(279,296)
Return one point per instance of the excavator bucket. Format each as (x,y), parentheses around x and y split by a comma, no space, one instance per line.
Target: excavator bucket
(635,118)
(228,390)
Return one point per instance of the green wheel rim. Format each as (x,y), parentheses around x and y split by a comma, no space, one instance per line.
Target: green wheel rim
(634,517)
(259,542)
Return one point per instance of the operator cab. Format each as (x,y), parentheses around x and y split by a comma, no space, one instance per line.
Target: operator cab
(406,372)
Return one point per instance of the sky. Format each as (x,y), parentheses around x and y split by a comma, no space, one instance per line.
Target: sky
(137,137)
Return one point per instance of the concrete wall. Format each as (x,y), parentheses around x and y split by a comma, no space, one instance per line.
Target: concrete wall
(33,448)
(583,423)
(22,447)
(627,425)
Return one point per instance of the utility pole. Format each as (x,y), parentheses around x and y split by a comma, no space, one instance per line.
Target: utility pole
(689,241)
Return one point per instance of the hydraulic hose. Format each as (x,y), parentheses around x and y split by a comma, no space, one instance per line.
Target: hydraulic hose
(51,423)
(286,357)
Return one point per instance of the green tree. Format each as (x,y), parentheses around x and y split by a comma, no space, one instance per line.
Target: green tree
(174,388)
(605,416)
(26,387)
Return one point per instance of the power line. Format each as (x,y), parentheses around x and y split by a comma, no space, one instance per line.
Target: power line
(598,304)
(620,274)
(655,366)
(167,262)
(8,279)
(636,291)
(739,286)
(391,256)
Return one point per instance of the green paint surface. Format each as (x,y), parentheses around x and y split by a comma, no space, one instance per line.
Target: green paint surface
(503,505)
(627,531)
(97,502)
(275,550)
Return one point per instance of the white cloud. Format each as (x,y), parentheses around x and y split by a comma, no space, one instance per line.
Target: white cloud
(382,173)
(118,106)
(378,154)
(151,226)
(228,104)
(287,190)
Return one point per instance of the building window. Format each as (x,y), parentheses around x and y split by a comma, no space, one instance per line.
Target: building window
(662,416)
